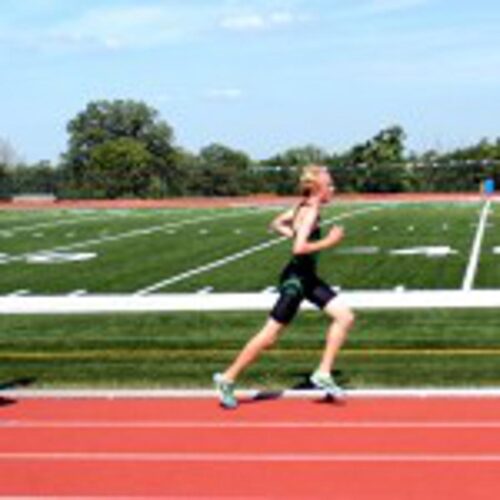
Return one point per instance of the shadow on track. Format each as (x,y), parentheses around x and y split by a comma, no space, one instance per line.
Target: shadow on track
(304,385)
(12,385)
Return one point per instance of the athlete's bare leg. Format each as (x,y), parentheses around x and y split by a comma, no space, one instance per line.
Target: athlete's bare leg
(264,339)
(342,322)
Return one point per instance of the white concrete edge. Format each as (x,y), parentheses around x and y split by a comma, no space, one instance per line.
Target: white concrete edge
(178,302)
(471,392)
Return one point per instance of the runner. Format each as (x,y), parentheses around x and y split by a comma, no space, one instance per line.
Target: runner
(298,281)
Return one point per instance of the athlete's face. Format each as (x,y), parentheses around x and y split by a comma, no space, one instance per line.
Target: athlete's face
(326,188)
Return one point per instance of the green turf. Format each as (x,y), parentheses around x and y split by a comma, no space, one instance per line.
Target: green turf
(134,260)
(390,228)
(488,275)
(387,349)
(147,251)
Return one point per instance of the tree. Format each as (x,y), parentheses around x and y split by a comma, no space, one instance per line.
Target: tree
(5,183)
(8,159)
(120,130)
(223,171)
(120,167)
(281,172)
(303,156)
(38,178)
(379,162)
(298,157)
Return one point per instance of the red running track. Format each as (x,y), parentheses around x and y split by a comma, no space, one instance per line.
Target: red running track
(367,448)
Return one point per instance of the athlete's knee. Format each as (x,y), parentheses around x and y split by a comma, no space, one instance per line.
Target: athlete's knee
(348,318)
(342,315)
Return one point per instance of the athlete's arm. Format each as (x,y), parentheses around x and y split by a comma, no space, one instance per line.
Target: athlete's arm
(306,222)
(282,224)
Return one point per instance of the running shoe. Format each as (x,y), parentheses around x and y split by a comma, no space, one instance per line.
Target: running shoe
(225,390)
(325,382)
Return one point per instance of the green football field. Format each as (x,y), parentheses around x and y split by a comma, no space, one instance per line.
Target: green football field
(418,246)
(415,246)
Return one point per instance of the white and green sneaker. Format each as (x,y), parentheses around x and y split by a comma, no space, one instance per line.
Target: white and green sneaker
(225,390)
(326,382)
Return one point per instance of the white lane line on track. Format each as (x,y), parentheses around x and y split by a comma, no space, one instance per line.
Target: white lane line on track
(27,424)
(249,457)
(238,255)
(470,273)
(130,234)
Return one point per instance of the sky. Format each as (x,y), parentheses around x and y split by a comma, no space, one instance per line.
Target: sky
(257,75)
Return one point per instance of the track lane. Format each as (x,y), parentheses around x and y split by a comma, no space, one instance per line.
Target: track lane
(448,448)
(385,441)
(339,480)
(390,409)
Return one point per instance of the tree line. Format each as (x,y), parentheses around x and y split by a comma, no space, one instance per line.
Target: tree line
(123,149)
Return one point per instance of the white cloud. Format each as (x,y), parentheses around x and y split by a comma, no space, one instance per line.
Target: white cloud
(114,28)
(383,6)
(261,21)
(150,24)
(106,27)
(227,94)
(243,22)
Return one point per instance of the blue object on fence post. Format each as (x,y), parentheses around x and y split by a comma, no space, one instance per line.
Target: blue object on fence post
(489,186)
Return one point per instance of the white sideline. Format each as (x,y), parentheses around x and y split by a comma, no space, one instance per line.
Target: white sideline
(470,273)
(239,255)
(223,302)
(399,393)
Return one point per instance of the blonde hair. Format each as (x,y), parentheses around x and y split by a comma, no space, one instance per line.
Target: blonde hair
(309,178)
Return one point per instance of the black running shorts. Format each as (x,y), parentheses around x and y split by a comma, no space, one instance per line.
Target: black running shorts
(293,289)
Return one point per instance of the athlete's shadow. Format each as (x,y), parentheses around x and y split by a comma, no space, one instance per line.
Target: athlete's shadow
(304,385)
(262,397)
(11,385)
(340,377)
(7,402)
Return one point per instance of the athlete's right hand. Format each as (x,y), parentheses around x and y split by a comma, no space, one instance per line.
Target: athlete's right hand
(335,235)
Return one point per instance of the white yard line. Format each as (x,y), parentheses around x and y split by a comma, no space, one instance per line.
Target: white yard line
(470,273)
(208,267)
(108,215)
(41,225)
(237,256)
(129,234)
(250,457)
